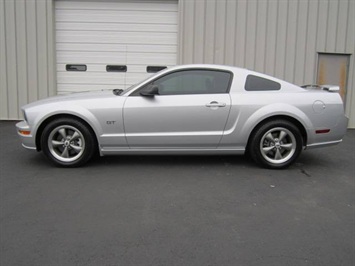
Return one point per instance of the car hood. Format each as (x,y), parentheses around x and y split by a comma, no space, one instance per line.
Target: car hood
(73,97)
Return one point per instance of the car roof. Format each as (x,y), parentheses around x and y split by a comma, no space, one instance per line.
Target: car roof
(207,66)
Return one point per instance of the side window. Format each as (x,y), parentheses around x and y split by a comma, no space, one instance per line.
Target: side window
(194,82)
(187,82)
(255,83)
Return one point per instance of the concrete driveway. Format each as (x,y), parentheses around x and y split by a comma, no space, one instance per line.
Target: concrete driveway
(175,210)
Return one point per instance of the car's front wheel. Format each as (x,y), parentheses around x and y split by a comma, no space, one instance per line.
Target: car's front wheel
(276,144)
(68,142)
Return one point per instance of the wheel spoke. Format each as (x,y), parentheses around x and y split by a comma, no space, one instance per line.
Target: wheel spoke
(269,137)
(278,155)
(77,149)
(57,143)
(282,135)
(75,136)
(268,149)
(65,153)
(63,133)
(287,146)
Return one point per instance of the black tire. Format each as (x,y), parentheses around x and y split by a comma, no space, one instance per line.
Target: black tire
(275,144)
(68,142)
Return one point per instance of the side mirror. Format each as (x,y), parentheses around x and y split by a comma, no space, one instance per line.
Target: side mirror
(150,91)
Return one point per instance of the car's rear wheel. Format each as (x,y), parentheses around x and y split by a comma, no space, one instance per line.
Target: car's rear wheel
(276,144)
(68,142)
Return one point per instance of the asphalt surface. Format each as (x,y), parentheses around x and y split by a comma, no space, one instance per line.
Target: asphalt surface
(176,210)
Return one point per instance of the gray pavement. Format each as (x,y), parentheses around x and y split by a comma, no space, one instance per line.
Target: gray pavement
(176,210)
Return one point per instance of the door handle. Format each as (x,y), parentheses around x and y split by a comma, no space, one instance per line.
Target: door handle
(215,104)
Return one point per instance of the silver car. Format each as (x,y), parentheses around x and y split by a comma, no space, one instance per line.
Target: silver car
(190,109)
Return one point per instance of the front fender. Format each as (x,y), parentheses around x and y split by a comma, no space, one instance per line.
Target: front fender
(60,109)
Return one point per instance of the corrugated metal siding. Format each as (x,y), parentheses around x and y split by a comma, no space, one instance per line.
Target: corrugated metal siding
(280,38)
(26,54)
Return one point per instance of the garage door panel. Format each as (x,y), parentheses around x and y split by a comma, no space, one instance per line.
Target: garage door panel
(89,86)
(90,57)
(116,16)
(69,88)
(104,47)
(146,6)
(94,77)
(150,59)
(98,78)
(116,27)
(109,37)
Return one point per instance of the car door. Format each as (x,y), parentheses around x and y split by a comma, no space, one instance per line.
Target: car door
(189,110)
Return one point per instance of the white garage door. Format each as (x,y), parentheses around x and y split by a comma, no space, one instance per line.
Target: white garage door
(104,45)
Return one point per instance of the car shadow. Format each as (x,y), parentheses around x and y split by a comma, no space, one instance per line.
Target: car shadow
(308,159)
(167,160)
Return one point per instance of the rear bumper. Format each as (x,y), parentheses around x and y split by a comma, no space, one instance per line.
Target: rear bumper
(323,144)
(334,137)
(28,141)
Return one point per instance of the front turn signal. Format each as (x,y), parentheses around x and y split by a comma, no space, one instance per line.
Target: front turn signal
(24,132)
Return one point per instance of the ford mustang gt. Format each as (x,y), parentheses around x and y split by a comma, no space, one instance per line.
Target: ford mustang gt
(190,109)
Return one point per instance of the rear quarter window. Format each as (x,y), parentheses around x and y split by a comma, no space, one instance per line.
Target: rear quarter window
(255,83)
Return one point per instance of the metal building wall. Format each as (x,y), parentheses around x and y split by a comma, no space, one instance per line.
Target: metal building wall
(26,54)
(277,37)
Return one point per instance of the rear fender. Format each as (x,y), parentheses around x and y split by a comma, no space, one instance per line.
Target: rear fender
(274,110)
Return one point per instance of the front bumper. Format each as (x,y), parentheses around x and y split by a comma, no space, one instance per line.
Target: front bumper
(28,141)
